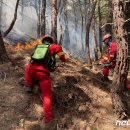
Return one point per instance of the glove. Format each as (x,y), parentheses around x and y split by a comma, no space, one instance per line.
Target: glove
(60,64)
(107,64)
(28,89)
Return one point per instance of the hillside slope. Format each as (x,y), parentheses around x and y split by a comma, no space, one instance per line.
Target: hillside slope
(81,101)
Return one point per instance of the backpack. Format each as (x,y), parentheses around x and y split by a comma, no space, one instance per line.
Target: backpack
(42,55)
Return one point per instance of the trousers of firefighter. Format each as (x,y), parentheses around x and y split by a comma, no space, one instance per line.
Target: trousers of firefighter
(108,64)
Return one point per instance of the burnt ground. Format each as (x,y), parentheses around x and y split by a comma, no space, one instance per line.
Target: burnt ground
(81,100)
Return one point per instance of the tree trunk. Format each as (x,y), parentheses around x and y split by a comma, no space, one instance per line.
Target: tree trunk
(75,19)
(54,19)
(88,25)
(100,30)
(95,40)
(75,16)
(39,19)
(108,27)
(43,17)
(66,31)
(13,21)
(122,63)
(127,23)
(60,9)
(1,13)
(3,54)
(82,24)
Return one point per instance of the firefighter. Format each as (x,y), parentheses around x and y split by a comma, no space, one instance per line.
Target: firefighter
(109,60)
(39,69)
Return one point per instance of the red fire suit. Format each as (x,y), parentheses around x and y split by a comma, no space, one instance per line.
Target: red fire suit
(39,72)
(110,57)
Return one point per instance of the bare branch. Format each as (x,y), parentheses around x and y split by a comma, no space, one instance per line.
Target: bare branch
(107,24)
(13,21)
(127,20)
(114,23)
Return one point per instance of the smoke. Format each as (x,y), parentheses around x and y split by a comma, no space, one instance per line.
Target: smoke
(26,23)
(26,27)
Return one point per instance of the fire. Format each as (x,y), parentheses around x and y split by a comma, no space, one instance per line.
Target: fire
(19,46)
(28,45)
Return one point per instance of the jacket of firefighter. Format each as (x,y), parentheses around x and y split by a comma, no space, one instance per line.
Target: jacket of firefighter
(41,73)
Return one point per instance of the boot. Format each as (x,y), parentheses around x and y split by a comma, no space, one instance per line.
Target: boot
(28,89)
(126,92)
(48,125)
(105,78)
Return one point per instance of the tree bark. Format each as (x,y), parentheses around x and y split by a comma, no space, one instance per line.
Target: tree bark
(39,18)
(1,14)
(60,9)
(95,40)
(122,63)
(75,19)
(13,21)
(127,24)
(88,25)
(100,30)
(3,54)
(37,12)
(82,24)
(54,19)
(66,31)
(108,27)
(43,17)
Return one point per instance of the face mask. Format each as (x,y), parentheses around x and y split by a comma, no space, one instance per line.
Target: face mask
(107,42)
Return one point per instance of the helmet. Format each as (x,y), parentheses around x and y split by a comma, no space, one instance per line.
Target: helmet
(107,36)
(48,39)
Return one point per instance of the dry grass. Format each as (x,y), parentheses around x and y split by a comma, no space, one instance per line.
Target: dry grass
(81,101)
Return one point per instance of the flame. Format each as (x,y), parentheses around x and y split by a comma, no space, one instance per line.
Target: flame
(19,46)
(28,45)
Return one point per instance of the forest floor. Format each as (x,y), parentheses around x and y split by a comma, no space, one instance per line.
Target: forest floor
(81,100)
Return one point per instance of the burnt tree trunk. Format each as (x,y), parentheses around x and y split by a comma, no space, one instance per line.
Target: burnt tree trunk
(122,63)
(54,19)
(88,25)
